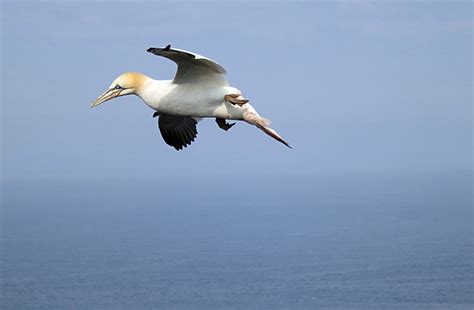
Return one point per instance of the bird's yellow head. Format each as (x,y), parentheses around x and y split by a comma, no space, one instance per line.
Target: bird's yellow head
(126,84)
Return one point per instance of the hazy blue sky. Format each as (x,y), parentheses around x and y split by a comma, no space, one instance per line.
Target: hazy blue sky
(352,85)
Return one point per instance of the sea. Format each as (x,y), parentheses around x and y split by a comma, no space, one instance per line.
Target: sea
(314,241)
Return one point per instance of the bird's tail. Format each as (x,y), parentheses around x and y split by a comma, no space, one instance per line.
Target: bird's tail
(264,125)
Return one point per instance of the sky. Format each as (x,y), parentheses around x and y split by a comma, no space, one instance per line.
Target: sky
(353,86)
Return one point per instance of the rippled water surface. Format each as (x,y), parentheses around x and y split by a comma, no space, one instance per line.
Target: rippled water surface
(300,242)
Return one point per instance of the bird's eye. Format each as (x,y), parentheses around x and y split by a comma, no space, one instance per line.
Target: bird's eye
(118,86)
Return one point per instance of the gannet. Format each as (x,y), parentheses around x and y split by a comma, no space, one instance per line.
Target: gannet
(199,90)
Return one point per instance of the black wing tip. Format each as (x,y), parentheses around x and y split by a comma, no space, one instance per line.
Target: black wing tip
(286,143)
(159,51)
(180,147)
(156,49)
(177,131)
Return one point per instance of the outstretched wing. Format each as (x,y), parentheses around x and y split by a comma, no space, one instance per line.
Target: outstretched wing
(191,66)
(177,131)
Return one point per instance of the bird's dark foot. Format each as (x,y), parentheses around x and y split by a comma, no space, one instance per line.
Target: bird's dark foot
(236,99)
(156,114)
(223,124)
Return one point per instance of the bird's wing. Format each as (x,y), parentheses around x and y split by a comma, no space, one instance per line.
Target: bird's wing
(191,66)
(177,131)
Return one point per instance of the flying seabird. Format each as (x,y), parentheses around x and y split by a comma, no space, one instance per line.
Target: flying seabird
(198,90)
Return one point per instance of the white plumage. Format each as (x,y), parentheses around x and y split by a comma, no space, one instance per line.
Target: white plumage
(198,90)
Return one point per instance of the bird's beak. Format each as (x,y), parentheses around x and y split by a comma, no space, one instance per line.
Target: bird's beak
(106,96)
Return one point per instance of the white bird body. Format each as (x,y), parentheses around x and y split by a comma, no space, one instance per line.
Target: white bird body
(201,99)
(198,90)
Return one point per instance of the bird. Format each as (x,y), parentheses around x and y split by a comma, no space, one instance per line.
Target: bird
(198,90)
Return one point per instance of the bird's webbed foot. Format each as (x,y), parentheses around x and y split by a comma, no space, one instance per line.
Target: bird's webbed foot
(236,99)
(223,124)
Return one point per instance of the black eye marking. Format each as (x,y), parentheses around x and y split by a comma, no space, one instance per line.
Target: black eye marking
(118,87)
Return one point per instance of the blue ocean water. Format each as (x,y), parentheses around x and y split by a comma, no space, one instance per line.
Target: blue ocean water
(293,242)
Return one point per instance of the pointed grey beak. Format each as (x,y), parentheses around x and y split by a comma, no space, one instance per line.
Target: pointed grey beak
(106,96)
